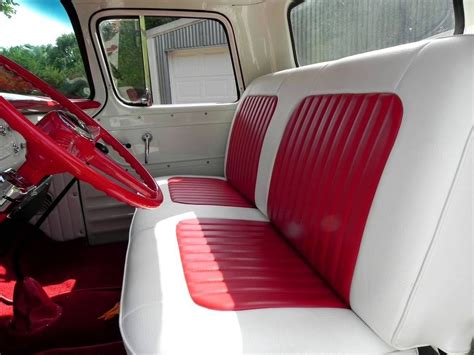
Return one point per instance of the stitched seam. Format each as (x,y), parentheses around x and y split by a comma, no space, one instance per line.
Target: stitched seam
(415,57)
(427,258)
(134,310)
(395,88)
(268,179)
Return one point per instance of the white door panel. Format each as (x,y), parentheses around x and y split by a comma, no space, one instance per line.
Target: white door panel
(178,136)
(188,137)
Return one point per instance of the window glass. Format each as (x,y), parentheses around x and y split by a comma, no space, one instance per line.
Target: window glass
(168,60)
(330,29)
(38,35)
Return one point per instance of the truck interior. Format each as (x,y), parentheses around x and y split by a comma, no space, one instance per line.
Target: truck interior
(236,177)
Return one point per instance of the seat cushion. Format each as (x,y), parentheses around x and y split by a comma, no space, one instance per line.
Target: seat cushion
(158,315)
(237,264)
(205,191)
(148,218)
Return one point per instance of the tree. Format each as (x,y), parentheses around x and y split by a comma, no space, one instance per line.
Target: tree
(66,56)
(155,21)
(130,72)
(60,65)
(7,7)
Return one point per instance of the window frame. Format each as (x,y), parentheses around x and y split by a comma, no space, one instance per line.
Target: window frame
(118,13)
(77,29)
(106,63)
(459,23)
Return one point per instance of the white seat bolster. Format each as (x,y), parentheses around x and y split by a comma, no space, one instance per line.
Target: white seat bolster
(416,254)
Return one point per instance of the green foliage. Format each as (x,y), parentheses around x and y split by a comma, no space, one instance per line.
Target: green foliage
(130,60)
(60,65)
(109,29)
(127,67)
(7,7)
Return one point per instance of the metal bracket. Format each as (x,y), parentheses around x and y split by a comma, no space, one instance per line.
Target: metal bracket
(12,189)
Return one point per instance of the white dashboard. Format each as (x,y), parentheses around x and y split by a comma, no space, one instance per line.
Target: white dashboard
(12,148)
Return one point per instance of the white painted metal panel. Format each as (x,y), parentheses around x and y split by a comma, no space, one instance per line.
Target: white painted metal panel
(66,221)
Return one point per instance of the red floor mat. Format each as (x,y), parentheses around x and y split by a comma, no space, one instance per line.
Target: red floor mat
(115,348)
(84,280)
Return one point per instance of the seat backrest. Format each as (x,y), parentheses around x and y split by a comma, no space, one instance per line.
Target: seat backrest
(327,169)
(383,209)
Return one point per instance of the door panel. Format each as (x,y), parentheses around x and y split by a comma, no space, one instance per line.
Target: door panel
(132,48)
(202,138)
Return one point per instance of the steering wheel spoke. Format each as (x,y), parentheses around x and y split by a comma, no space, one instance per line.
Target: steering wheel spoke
(113,169)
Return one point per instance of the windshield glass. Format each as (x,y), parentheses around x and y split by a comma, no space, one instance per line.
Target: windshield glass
(41,38)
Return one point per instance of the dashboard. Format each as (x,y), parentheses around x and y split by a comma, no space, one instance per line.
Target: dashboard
(12,148)
(12,144)
(12,157)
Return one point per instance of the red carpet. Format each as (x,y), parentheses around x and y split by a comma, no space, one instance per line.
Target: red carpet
(108,348)
(84,280)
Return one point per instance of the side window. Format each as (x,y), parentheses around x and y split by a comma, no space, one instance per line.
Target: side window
(39,36)
(168,60)
(330,29)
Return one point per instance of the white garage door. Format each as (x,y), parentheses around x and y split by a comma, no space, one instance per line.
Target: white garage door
(201,75)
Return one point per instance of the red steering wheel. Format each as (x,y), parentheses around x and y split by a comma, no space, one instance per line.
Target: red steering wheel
(68,142)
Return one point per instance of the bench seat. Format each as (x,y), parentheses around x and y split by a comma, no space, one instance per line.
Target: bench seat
(159,316)
(343,224)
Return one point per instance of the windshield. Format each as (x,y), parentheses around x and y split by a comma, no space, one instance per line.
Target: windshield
(41,38)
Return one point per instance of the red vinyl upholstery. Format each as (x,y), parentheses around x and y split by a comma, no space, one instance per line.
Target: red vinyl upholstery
(205,191)
(326,172)
(246,140)
(237,265)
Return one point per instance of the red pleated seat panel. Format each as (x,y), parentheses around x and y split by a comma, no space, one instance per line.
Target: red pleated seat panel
(239,265)
(205,191)
(325,176)
(246,141)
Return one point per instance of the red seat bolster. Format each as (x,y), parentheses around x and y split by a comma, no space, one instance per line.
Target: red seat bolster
(238,265)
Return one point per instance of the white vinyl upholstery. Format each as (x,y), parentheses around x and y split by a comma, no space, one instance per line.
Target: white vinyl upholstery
(147,219)
(416,198)
(158,315)
(413,281)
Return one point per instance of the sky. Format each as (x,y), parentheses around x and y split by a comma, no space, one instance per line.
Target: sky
(36,22)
